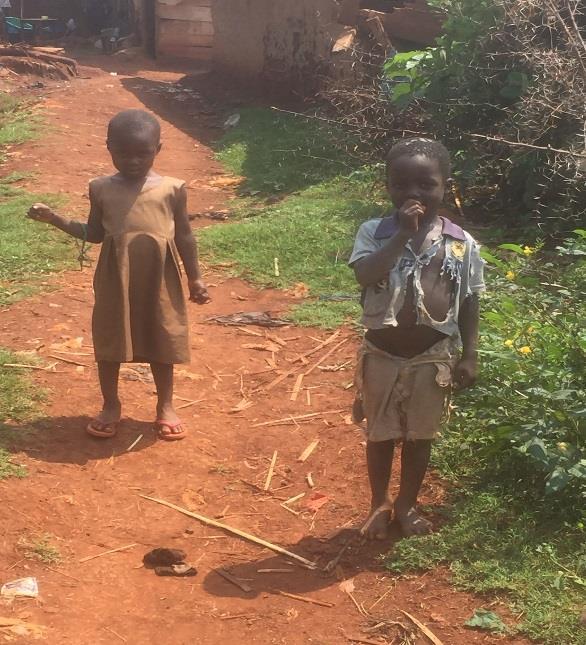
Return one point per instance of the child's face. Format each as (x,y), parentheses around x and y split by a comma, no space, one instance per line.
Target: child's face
(418,178)
(133,154)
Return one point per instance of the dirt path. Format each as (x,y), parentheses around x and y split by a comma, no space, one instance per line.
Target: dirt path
(86,493)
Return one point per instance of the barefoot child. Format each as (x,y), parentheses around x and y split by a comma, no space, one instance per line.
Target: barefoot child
(140,313)
(421,276)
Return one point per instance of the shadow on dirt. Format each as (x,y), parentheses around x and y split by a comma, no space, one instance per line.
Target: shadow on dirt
(64,440)
(276,153)
(358,556)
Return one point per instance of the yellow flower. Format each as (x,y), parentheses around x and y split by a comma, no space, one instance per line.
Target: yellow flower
(530,330)
(527,250)
(510,275)
(563,446)
(509,342)
(525,349)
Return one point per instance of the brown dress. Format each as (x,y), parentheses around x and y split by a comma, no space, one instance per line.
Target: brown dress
(140,310)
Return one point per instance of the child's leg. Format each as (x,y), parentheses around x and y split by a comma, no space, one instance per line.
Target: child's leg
(163,376)
(108,373)
(379,460)
(414,462)
(105,423)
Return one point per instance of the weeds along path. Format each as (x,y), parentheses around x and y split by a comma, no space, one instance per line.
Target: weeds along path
(82,497)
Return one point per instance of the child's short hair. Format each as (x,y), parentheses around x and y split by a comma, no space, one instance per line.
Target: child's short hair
(133,121)
(421,146)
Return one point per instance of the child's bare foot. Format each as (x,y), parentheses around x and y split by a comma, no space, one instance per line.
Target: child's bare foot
(168,425)
(105,425)
(411,522)
(377,524)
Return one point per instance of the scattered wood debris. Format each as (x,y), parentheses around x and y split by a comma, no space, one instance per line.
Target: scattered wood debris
(259,318)
(293,419)
(307,452)
(271,471)
(67,360)
(327,341)
(297,387)
(326,355)
(247,536)
(134,443)
(425,630)
(240,407)
(269,346)
(312,601)
(38,61)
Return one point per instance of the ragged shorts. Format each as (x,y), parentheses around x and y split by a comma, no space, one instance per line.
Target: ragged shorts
(404,398)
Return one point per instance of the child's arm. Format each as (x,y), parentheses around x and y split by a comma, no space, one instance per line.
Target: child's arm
(466,369)
(187,247)
(375,267)
(92,232)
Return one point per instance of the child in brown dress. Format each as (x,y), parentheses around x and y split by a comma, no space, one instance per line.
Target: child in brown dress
(140,218)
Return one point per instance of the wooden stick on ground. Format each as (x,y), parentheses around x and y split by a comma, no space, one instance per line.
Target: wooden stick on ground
(326,355)
(271,471)
(115,634)
(296,498)
(230,578)
(131,446)
(307,452)
(279,379)
(289,509)
(99,555)
(186,405)
(327,341)
(425,630)
(68,360)
(312,601)
(297,387)
(292,419)
(234,531)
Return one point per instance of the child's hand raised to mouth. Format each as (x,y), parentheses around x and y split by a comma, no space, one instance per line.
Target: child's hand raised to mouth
(409,215)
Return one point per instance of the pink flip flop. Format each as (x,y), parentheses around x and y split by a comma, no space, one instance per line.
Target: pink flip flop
(169,436)
(97,428)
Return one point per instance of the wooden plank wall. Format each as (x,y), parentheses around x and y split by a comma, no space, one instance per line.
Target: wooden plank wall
(185,29)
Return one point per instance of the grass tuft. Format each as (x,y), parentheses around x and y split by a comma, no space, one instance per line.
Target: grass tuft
(28,250)
(493,545)
(19,399)
(41,548)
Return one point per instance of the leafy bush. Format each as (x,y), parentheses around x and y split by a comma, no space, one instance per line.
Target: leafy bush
(505,89)
(526,418)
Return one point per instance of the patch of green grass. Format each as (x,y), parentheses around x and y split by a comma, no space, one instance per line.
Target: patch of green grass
(28,250)
(17,123)
(7,467)
(221,469)
(278,152)
(41,548)
(19,399)
(494,544)
(311,231)
(311,234)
